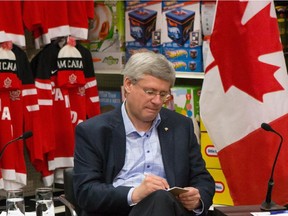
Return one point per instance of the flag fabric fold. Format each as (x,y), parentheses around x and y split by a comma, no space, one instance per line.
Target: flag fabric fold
(246,84)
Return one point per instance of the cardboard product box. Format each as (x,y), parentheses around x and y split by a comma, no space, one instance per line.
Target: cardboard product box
(109,99)
(186,101)
(108,60)
(222,193)
(187,65)
(181,35)
(185,59)
(142,26)
(107,35)
(107,31)
(130,50)
(209,152)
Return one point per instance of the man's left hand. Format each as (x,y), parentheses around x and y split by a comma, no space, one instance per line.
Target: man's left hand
(190,199)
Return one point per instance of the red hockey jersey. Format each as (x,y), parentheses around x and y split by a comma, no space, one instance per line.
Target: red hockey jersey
(68,94)
(48,20)
(11,23)
(18,111)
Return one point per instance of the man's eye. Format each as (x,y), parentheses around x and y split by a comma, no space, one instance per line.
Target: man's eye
(150,92)
(163,94)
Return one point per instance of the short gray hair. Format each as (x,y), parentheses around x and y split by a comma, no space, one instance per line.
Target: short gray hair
(149,63)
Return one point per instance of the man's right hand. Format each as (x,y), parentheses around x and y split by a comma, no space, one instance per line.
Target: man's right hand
(150,184)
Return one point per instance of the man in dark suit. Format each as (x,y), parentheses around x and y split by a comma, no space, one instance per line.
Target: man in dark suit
(126,159)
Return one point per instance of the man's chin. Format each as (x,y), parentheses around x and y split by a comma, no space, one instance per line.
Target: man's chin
(150,118)
(150,114)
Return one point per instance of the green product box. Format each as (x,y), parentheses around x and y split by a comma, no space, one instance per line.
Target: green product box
(106,32)
(186,101)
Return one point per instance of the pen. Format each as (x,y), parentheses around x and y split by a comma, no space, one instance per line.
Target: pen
(278,212)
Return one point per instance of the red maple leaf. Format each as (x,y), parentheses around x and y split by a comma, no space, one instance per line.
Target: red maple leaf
(236,49)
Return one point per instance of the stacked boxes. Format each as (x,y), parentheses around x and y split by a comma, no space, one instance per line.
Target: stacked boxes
(209,154)
(143,26)
(181,35)
(169,27)
(180,23)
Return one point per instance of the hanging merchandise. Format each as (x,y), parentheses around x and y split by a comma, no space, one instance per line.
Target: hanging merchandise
(80,13)
(18,110)
(48,20)
(68,95)
(11,24)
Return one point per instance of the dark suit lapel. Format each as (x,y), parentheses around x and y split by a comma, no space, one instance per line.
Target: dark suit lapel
(165,132)
(118,142)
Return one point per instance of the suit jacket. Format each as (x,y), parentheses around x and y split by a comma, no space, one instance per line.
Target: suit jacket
(100,155)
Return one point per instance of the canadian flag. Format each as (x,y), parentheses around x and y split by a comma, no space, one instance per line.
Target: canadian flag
(246,84)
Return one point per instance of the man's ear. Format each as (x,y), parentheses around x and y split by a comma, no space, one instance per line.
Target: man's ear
(127,84)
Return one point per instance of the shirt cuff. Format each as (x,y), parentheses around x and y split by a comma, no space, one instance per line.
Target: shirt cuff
(129,197)
(199,210)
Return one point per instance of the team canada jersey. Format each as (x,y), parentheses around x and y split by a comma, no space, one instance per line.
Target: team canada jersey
(68,94)
(11,23)
(79,13)
(18,111)
(48,20)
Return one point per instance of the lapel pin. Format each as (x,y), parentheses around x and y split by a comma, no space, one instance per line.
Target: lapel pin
(166,129)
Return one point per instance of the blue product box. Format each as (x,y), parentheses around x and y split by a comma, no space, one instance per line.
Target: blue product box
(143,20)
(130,50)
(180,23)
(181,35)
(142,24)
(109,100)
(185,59)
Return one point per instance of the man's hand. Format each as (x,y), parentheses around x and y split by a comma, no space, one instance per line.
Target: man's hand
(150,184)
(190,199)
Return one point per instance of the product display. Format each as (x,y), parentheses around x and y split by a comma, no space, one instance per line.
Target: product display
(143,20)
(48,20)
(106,36)
(181,35)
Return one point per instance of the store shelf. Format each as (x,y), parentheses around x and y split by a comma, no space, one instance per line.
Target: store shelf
(186,75)
(190,75)
(116,71)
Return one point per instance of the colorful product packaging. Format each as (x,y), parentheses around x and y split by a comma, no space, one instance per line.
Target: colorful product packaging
(143,26)
(109,100)
(186,101)
(107,35)
(181,35)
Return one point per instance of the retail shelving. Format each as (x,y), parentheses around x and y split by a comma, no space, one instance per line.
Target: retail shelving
(185,75)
